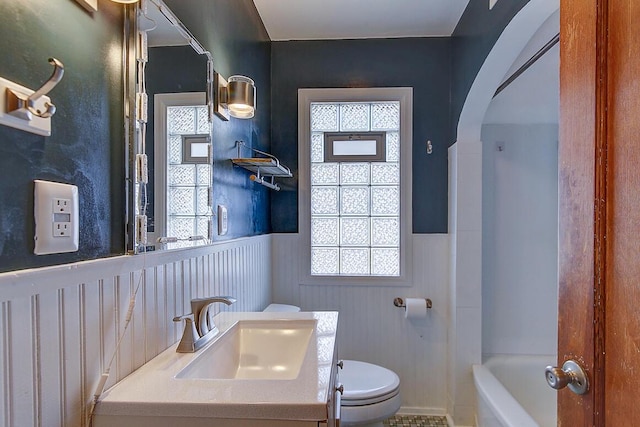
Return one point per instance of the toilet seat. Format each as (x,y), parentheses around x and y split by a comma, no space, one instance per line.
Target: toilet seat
(367,384)
(371,392)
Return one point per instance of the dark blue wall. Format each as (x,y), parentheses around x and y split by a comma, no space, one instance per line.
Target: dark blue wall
(233,32)
(441,71)
(421,63)
(477,31)
(86,147)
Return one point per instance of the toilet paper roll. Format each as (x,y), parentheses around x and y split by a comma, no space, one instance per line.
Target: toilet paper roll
(415,308)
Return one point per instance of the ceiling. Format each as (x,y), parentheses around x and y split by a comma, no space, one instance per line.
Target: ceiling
(162,32)
(358,19)
(531,98)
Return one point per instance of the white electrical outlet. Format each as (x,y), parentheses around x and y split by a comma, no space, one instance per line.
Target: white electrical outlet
(56,217)
(222,220)
(61,229)
(61,205)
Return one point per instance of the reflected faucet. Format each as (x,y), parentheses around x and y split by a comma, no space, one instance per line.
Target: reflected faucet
(199,327)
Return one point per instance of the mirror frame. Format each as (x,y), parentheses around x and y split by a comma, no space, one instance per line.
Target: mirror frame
(129,83)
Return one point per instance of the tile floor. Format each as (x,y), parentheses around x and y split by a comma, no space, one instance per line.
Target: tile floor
(416,421)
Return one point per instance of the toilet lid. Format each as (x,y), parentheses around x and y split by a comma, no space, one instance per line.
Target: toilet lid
(365,381)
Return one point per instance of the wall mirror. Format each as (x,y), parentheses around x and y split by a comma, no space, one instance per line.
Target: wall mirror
(170,153)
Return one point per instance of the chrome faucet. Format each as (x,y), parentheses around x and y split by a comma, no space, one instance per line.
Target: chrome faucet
(199,327)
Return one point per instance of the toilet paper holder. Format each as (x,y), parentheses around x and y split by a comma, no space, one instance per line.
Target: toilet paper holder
(399,302)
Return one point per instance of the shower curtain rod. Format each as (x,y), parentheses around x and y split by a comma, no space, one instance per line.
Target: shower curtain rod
(528,64)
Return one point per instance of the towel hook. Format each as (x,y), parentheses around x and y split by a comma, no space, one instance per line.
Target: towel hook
(24,107)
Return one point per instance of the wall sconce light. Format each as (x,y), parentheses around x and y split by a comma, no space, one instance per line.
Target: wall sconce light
(235,97)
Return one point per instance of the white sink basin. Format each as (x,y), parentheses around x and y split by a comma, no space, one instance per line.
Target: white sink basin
(254,350)
(267,366)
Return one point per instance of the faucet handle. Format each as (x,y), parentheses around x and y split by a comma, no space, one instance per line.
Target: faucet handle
(189,335)
(184,317)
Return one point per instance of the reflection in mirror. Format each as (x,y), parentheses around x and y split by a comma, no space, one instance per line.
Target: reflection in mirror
(177,77)
(183,171)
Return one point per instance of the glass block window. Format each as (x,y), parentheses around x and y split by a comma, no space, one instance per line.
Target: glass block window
(355,205)
(188,183)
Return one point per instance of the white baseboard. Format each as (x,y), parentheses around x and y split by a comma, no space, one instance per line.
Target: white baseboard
(407,410)
(452,424)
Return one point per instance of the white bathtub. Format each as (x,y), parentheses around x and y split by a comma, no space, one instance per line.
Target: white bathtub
(512,392)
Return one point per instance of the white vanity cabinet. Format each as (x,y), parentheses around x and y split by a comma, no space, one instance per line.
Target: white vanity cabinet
(172,390)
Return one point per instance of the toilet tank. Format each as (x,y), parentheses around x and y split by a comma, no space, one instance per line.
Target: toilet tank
(282,308)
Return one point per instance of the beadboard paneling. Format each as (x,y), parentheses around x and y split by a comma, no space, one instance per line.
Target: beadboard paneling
(371,328)
(59,326)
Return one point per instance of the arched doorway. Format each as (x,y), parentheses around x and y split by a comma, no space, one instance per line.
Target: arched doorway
(465,199)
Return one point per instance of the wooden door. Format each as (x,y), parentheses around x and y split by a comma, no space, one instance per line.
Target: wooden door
(599,234)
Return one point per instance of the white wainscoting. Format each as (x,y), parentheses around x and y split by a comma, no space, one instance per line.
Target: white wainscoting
(59,325)
(372,329)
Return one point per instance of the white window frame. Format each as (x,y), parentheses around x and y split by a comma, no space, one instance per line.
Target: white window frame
(306,97)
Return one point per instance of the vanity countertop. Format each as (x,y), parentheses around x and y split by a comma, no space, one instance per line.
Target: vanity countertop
(153,390)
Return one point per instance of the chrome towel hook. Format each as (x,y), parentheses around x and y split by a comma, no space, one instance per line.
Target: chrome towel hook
(24,106)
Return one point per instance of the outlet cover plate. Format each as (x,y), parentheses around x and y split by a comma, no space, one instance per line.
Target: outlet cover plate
(56,217)
(223,220)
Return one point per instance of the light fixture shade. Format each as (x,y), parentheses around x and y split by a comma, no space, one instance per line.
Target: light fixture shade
(241,97)
(125,1)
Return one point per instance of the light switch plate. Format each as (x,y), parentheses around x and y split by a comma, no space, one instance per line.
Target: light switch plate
(37,124)
(56,217)
(222,220)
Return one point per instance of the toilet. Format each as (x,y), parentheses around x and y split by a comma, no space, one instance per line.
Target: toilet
(371,392)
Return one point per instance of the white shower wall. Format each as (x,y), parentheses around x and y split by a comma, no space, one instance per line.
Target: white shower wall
(371,328)
(519,239)
(59,325)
